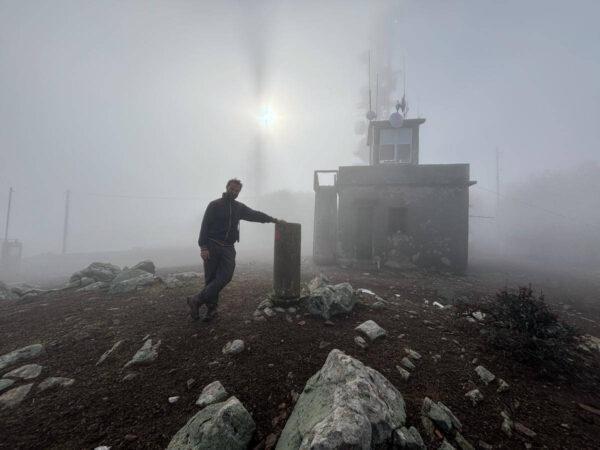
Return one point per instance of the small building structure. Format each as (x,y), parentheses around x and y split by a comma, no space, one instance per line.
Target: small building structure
(393,212)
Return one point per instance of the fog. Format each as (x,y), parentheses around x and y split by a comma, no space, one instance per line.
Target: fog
(143,110)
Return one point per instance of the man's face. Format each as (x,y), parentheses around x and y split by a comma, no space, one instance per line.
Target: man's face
(233,189)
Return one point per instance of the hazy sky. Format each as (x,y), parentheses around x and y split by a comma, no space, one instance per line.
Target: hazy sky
(143,98)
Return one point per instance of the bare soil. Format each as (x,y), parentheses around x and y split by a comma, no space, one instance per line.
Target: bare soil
(280,356)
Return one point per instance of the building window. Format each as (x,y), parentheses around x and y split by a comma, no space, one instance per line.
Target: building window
(395,145)
(397,220)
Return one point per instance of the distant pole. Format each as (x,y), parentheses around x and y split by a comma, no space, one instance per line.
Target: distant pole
(66,223)
(10,192)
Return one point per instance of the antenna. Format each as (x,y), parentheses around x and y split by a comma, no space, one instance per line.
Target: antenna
(371,115)
(377,94)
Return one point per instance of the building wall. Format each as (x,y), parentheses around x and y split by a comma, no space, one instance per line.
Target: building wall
(434,200)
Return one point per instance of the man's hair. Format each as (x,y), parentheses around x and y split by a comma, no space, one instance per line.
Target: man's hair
(234,181)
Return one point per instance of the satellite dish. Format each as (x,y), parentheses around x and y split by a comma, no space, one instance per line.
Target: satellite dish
(371,115)
(396,120)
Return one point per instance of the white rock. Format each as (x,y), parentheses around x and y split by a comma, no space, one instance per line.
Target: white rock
(371,330)
(233,347)
(15,396)
(29,352)
(26,372)
(439,305)
(109,352)
(485,375)
(502,385)
(407,363)
(479,315)
(412,354)
(52,382)
(475,396)
(358,340)
(212,393)
(405,374)
(5,383)
(146,354)
(173,399)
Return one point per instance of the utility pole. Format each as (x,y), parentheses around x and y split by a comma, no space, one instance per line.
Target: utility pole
(66,223)
(10,192)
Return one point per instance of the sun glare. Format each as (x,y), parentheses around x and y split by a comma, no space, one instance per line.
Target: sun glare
(267,117)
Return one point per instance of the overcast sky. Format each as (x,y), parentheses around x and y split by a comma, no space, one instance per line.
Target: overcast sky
(159,99)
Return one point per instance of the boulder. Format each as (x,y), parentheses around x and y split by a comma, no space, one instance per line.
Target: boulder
(131,280)
(26,372)
(175,280)
(98,271)
(145,355)
(344,405)
(226,425)
(15,396)
(54,382)
(409,439)
(6,293)
(146,266)
(485,375)
(86,281)
(437,414)
(371,330)
(212,393)
(21,289)
(29,352)
(327,301)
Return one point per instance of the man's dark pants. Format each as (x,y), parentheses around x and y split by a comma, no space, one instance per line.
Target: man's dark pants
(218,271)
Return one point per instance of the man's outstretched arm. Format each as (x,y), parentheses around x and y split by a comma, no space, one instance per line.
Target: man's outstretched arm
(256,216)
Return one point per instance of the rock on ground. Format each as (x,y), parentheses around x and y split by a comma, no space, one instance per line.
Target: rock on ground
(409,439)
(405,374)
(98,271)
(26,372)
(146,354)
(109,352)
(226,425)
(29,352)
(475,396)
(407,363)
(371,330)
(212,393)
(344,405)
(175,280)
(15,396)
(97,286)
(6,293)
(233,347)
(437,414)
(327,301)
(5,384)
(146,266)
(485,375)
(131,280)
(54,382)
(358,340)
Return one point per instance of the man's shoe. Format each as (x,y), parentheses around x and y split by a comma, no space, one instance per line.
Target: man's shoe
(194,304)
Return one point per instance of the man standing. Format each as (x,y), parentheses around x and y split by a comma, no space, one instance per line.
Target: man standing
(219,232)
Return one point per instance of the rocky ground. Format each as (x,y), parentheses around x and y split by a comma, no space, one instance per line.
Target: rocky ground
(87,405)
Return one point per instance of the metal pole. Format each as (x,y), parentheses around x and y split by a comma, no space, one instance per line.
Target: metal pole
(10,192)
(497,181)
(66,223)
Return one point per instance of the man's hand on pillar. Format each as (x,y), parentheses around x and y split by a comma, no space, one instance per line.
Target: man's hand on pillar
(204,254)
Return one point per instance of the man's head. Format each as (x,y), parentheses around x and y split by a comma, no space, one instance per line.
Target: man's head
(233,187)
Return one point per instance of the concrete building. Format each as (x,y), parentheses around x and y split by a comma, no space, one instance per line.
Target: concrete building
(393,212)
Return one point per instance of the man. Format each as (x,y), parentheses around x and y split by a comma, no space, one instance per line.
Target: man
(219,232)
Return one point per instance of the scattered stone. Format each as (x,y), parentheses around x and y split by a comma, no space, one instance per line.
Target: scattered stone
(291,310)
(130,437)
(29,352)
(212,393)
(409,439)
(378,305)
(371,330)
(327,301)
(475,396)
(234,347)
(479,315)
(405,374)
(344,405)
(329,323)
(323,344)
(97,271)
(131,280)
(437,414)
(485,375)
(176,280)
(407,363)
(436,358)
(412,354)
(502,385)
(15,396)
(457,424)
(146,354)
(225,425)
(26,372)
(302,323)
(507,424)
(439,305)
(591,342)
(173,399)
(130,376)
(96,286)
(54,382)
(5,384)
(6,293)
(269,312)
(520,428)
(109,352)
(484,445)
(189,383)
(358,340)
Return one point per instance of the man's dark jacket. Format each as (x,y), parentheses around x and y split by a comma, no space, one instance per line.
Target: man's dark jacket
(221,222)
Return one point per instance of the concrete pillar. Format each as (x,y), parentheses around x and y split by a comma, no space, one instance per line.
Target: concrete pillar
(286,268)
(325,234)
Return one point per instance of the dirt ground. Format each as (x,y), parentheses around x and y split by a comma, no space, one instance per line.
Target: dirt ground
(281,354)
